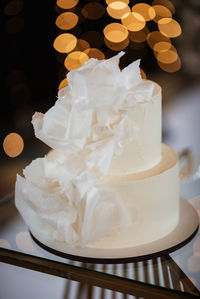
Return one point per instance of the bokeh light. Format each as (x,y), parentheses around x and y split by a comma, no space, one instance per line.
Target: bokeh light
(67,4)
(133,21)
(145,10)
(13,8)
(161,12)
(13,145)
(117,46)
(162,46)
(117,9)
(169,27)
(132,31)
(171,67)
(67,20)
(139,36)
(124,1)
(166,3)
(81,45)
(63,83)
(75,59)
(65,43)
(93,11)
(155,37)
(167,57)
(115,32)
(95,53)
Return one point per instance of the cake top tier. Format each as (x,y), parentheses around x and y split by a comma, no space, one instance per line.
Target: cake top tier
(100,84)
(94,105)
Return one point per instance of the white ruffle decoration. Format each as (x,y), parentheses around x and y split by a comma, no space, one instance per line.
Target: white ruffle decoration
(89,124)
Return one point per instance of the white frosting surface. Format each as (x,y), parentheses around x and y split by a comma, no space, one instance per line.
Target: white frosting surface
(151,200)
(144,151)
(88,127)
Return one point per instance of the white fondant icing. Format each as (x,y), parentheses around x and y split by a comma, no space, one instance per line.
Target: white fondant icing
(105,124)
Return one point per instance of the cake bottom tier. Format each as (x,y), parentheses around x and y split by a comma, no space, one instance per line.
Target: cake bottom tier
(151,200)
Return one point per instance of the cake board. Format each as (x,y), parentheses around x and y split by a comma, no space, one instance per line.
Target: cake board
(183,233)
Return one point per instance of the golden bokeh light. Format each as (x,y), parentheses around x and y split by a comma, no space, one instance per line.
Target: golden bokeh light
(167,57)
(94,53)
(166,3)
(145,10)
(133,21)
(161,12)
(67,4)
(94,38)
(81,45)
(115,32)
(63,83)
(65,43)
(169,27)
(172,67)
(143,74)
(117,46)
(117,9)
(13,145)
(155,37)
(139,36)
(93,11)
(162,46)
(111,1)
(13,8)
(75,59)
(67,20)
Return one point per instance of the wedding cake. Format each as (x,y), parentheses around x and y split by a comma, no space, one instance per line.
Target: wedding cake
(107,182)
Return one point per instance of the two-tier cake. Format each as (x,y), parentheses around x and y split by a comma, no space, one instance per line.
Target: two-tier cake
(108,182)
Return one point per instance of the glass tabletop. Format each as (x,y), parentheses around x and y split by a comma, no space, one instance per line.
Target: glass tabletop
(176,275)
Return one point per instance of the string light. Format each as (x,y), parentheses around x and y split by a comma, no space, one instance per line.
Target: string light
(155,37)
(166,3)
(133,21)
(130,31)
(139,36)
(13,145)
(117,46)
(118,9)
(115,32)
(144,10)
(161,12)
(171,68)
(75,59)
(111,1)
(63,83)
(67,20)
(65,42)
(94,53)
(169,27)
(67,4)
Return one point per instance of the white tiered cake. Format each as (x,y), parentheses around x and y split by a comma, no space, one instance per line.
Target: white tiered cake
(108,182)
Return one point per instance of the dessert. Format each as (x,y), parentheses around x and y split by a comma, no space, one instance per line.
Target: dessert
(108,181)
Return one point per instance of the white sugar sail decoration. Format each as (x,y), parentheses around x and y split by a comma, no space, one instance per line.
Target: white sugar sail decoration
(59,195)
